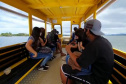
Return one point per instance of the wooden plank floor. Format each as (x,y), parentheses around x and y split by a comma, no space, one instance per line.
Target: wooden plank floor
(52,76)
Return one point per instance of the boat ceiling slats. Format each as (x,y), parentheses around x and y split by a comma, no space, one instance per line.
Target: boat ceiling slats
(59,9)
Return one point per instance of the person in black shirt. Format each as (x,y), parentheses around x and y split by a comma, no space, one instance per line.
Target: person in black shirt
(98,53)
(58,42)
(73,35)
(55,40)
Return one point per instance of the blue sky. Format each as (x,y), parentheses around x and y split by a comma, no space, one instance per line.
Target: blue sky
(113,20)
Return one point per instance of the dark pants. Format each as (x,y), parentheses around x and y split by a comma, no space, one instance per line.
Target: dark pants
(89,79)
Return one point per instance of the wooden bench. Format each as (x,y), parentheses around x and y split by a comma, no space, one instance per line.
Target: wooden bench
(119,70)
(17,58)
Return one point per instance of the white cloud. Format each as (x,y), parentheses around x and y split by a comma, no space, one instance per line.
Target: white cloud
(11,20)
(113,20)
(38,24)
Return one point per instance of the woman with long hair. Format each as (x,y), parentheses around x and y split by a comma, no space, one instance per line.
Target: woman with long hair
(43,36)
(32,46)
(44,40)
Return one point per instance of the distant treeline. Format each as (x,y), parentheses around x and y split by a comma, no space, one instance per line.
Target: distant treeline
(115,34)
(10,34)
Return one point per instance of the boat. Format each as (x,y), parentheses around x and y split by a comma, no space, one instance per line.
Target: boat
(52,12)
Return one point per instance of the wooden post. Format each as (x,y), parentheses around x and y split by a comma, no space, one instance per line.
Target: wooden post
(94,16)
(45,28)
(30,23)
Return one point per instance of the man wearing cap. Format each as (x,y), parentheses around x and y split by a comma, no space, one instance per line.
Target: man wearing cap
(98,53)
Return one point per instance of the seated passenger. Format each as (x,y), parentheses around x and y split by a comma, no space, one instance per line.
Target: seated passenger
(77,45)
(49,42)
(43,36)
(58,42)
(44,40)
(53,39)
(79,37)
(73,35)
(32,46)
(98,53)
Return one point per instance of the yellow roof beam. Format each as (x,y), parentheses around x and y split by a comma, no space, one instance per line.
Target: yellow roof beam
(58,16)
(91,11)
(60,7)
(63,5)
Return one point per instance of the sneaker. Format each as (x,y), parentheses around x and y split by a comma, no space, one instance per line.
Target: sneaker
(43,68)
(53,57)
(63,54)
(64,58)
(46,65)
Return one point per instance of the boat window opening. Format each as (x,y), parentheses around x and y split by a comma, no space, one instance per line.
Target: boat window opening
(117,41)
(58,28)
(82,24)
(37,18)
(90,17)
(114,24)
(66,28)
(13,28)
(39,23)
(48,29)
(75,25)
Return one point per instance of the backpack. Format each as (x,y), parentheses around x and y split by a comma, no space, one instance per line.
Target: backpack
(45,50)
(50,42)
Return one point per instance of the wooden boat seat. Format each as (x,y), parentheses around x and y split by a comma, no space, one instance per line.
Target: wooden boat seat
(16,58)
(118,75)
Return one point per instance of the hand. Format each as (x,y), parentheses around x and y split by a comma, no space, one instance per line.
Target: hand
(71,45)
(73,42)
(68,47)
(45,40)
(82,47)
(35,55)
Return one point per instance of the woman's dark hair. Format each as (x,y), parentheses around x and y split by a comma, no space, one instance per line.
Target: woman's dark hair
(43,32)
(79,33)
(36,35)
(75,28)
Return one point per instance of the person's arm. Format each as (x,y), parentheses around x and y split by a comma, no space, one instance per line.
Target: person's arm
(80,46)
(73,35)
(56,38)
(72,56)
(45,41)
(42,42)
(74,46)
(29,47)
(88,56)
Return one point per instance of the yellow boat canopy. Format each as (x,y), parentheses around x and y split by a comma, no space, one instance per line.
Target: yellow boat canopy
(53,10)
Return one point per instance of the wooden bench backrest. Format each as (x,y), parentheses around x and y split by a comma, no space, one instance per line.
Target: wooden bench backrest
(119,71)
(12,54)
